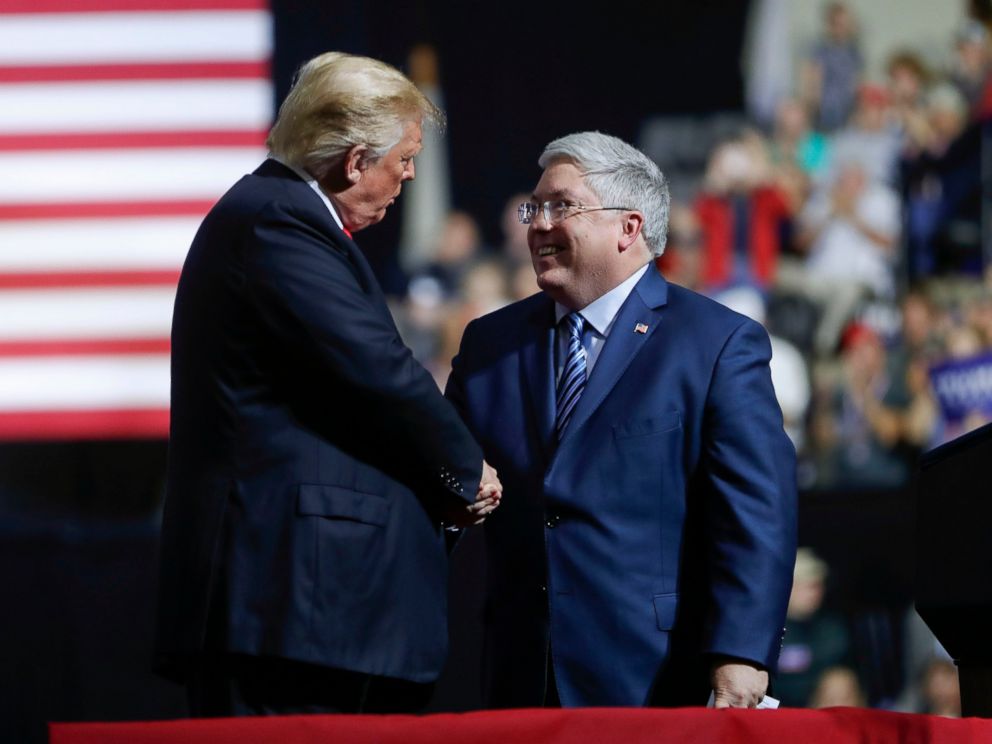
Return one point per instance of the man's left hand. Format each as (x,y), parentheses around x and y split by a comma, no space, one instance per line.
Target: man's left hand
(738,684)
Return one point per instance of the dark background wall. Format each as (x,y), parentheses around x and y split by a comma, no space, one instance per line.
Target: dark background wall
(515,76)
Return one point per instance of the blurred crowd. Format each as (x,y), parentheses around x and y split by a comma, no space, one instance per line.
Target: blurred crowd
(822,665)
(852,229)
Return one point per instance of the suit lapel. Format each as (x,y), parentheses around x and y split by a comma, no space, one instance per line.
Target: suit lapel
(339,239)
(537,363)
(639,317)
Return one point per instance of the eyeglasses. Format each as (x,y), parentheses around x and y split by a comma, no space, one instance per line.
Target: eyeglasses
(556,211)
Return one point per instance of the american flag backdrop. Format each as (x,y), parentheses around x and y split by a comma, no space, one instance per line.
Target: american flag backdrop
(121,122)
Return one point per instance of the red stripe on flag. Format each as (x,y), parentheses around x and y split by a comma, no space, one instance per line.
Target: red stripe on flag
(85,347)
(142,423)
(116,6)
(83,210)
(130,140)
(254,70)
(67,279)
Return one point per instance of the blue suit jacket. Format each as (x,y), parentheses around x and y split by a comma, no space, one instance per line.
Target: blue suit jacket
(309,452)
(661,528)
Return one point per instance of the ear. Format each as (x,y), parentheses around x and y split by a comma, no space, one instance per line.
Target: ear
(631,226)
(355,163)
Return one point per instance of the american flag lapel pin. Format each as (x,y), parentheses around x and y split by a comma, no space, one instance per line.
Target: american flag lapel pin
(641,328)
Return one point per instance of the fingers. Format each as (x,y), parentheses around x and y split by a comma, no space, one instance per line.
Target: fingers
(486,499)
(483,506)
(489,491)
(737,685)
(730,700)
(489,477)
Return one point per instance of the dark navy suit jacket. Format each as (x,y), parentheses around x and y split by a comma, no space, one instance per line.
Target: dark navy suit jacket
(660,530)
(309,453)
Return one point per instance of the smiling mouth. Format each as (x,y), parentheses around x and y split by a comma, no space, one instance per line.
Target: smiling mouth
(549,250)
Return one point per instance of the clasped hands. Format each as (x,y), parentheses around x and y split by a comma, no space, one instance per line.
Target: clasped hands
(486,500)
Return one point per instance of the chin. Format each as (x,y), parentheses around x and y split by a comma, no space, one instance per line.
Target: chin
(372,219)
(546,282)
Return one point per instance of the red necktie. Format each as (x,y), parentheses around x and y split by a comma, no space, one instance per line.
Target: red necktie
(347,232)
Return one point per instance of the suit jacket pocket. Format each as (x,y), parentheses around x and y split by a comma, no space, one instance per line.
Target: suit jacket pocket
(667,421)
(337,502)
(665,607)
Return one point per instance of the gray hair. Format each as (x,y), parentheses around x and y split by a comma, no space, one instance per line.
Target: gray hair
(621,176)
(341,100)
(947,97)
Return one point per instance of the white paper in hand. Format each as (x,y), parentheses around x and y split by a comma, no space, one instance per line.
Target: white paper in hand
(767,702)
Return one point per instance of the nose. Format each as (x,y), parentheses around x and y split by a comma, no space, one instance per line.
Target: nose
(538,222)
(411,172)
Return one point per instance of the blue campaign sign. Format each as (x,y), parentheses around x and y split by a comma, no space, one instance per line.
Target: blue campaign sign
(963,387)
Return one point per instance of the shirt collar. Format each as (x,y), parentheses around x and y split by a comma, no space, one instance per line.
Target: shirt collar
(312,183)
(600,312)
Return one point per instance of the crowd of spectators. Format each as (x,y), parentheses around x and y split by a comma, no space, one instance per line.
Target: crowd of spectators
(852,229)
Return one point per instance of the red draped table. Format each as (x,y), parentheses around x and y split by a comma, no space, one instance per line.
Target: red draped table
(577,726)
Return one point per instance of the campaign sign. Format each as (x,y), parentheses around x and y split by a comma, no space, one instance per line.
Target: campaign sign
(963,388)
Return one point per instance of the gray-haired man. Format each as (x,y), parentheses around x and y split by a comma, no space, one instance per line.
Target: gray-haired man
(643,551)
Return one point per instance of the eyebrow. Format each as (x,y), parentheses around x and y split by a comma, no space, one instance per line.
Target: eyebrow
(559,193)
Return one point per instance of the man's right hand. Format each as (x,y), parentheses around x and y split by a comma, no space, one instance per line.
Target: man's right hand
(489,480)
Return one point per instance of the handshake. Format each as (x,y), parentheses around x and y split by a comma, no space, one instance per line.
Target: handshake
(460,514)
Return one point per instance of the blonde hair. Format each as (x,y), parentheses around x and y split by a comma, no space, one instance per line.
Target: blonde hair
(341,100)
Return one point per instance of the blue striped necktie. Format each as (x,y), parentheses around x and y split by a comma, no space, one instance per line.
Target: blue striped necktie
(573,376)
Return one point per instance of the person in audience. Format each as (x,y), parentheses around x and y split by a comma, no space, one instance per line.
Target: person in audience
(908,80)
(941,184)
(740,212)
(911,360)
(484,288)
(682,261)
(838,686)
(832,72)
(795,142)
(816,639)
(860,417)
(313,463)
(872,138)
(420,316)
(941,689)
(458,249)
(972,63)
(523,284)
(643,551)
(849,236)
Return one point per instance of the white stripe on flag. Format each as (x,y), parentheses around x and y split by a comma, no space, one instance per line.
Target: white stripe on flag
(94,38)
(69,176)
(45,314)
(84,383)
(122,113)
(152,105)
(121,244)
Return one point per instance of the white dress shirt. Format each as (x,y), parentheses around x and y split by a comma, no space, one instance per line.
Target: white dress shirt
(312,183)
(600,315)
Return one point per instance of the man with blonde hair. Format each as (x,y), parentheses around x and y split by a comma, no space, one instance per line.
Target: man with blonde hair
(313,463)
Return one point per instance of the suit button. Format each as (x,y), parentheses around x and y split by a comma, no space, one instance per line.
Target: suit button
(544,589)
(552,521)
